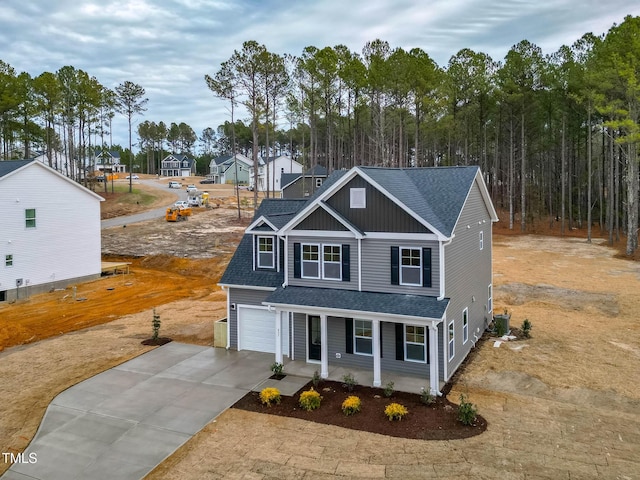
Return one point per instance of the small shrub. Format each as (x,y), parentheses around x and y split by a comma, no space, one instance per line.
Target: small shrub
(351,405)
(395,411)
(155,325)
(316,379)
(526,328)
(277,368)
(467,411)
(270,396)
(310,400)
(388,389)
(427,397)
(349,382)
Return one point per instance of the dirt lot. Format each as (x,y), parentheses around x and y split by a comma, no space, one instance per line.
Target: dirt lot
(563,404)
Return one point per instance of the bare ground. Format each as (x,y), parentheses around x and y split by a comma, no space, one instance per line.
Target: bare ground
(563,404)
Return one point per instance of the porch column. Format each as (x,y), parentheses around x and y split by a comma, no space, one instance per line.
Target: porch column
(324,348)
(434,383)
(278,336)
(376,353)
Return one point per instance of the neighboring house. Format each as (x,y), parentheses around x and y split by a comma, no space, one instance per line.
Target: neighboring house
(109,161)
(178,165)
(382,269)
(49,230)
(223,169)
(301,185)
(271,170)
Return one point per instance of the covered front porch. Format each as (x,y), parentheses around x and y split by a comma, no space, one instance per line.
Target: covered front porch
(384,337)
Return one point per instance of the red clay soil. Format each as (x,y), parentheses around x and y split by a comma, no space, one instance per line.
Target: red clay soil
(438,421)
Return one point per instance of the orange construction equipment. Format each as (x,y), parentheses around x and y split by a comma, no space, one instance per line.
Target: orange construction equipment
(175,214)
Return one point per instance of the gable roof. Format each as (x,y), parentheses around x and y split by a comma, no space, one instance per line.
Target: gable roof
(227,158)
(434,196)
(13,167)
(318,171)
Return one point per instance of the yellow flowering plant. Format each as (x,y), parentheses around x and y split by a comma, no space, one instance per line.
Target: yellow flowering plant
(310,400)
(351,405)
(395,411)
(269,396)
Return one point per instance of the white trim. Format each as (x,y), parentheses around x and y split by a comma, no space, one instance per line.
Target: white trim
(246,287)
(377,380)
(339,263)
(339,312)
(324,347)
(402,236)
(256,222)
(359,264)
(490,298)
(321,234)
(424,342)
(355,336)
(302,260)
(273,252)
(465,328)
(434,374)
(419,267)
(451,340)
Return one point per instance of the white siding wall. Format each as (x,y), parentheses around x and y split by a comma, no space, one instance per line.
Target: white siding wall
(65,243)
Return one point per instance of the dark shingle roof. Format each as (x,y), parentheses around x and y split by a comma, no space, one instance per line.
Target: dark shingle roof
(391,303)
(436,194)
(8,166)
(287,178)
(240,269)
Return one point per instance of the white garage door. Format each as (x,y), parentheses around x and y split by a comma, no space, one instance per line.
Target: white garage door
(257,330)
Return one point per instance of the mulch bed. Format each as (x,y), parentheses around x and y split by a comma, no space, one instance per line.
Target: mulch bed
(438,421)
(157,342)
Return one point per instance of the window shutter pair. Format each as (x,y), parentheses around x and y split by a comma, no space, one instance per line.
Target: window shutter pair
(426,266)
(348,327)
(346,262)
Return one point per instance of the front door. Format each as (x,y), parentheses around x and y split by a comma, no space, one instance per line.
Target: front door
(313,329)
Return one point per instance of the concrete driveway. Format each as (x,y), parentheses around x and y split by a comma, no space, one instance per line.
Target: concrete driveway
(123,422)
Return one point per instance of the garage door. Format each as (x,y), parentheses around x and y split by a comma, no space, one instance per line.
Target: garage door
(256,327)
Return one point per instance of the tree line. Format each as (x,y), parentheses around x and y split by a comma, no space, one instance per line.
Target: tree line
(555,134)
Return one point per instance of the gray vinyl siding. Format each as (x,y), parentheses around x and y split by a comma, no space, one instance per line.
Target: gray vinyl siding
(388,361)
(380,215)
(300,336)
(468,275)
(319,282)
(376,266)
(241,296)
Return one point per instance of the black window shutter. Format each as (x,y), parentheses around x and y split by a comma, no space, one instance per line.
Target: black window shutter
(426,267)
(348,333)
(395,265)
(281,253)
(255,251)
(346,264)
(399,341)
(296,260)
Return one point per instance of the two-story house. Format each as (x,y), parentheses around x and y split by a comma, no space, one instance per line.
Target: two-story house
(49,230)
(178,165)
(270,171)
(223,169)
(381,269)
(109,161)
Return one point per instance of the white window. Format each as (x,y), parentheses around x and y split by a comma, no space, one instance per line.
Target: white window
(358,197)
(318,182)
(331,262)
(410,266)
(8,260)
(415,344)
(30,217)
(310,261)
(452,345)
(465,325)
(490,300)
(265,252)
(481,240)
(363,337)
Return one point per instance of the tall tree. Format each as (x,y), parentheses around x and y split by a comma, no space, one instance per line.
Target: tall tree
(130,101)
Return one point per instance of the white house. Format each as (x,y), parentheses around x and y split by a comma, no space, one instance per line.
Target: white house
(49,230)
(271,169)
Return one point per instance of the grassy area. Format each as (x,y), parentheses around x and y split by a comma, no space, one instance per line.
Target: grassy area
(136,197)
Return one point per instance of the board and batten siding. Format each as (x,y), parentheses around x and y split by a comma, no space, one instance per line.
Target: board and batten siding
(468,275)
(65,244)
(241,296)
(376,266)
(352,284)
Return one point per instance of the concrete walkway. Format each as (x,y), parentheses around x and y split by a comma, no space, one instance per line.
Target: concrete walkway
(123,422)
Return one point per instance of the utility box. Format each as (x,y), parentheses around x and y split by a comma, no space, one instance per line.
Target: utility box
(501,323)
(220,333)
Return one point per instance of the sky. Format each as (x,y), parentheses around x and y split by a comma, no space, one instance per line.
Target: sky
(167,46)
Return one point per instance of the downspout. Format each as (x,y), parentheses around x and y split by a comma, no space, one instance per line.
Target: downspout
(441,245)
(226,289)
(286,260)
(359,264)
